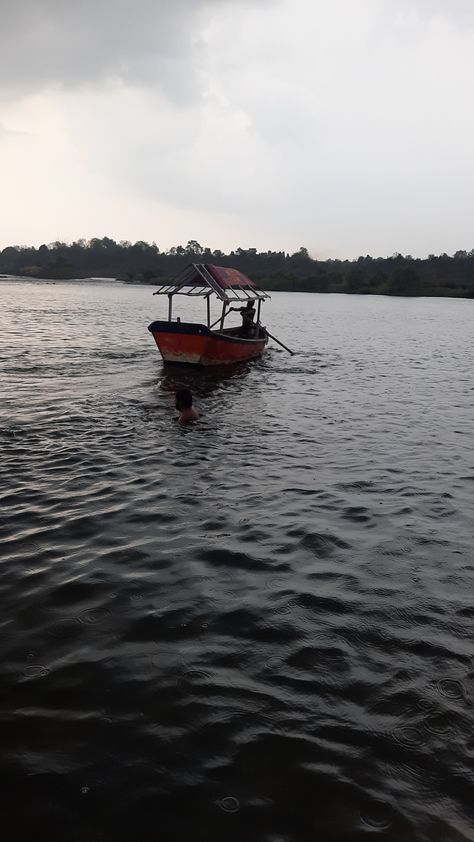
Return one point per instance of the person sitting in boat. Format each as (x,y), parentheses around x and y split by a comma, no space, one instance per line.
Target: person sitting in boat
(184,405)
(248,316)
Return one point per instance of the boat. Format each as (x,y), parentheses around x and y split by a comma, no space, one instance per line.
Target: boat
(195,343)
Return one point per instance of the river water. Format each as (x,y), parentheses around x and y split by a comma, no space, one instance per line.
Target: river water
(257,629)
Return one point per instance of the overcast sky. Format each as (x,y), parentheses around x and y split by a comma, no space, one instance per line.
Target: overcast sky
(346,126)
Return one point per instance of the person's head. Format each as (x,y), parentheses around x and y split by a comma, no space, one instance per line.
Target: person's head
(184,399)
(250,304)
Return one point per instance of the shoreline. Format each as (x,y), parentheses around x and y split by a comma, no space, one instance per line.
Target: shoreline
(268,287)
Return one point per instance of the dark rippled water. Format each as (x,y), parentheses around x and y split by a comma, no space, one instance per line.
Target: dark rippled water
(257,629)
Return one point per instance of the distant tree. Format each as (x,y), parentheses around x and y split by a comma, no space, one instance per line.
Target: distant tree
(355,280)
(379,281)
(58,268)
(193,247)
(302,253)
(321,283)
(404,282)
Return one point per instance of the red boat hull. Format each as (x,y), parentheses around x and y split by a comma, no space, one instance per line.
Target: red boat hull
(195,344)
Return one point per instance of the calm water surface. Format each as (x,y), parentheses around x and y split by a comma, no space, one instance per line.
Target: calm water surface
(259,629)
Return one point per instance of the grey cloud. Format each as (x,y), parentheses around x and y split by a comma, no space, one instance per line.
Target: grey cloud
(8,134)
(460,12)
(66,43)
(335,123)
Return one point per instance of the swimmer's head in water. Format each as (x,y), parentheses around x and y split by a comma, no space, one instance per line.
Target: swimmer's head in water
(184,399)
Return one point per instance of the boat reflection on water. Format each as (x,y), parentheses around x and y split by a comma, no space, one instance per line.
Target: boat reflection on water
(202,382)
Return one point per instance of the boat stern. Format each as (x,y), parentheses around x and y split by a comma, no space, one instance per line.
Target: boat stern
(180,342)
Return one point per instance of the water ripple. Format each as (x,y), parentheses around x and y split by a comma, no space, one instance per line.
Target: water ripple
(258,628)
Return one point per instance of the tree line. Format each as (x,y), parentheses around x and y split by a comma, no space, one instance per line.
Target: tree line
(142,262)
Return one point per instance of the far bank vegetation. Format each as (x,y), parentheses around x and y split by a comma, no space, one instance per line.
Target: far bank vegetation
(141,262)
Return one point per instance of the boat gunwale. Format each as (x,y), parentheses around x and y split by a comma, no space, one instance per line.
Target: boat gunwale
(180,328)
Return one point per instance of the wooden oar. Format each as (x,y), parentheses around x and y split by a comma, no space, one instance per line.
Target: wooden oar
(219,319)
(279,343)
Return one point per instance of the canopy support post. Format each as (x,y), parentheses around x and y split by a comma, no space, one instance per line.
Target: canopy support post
(170,305)
(208,310)
(224,305)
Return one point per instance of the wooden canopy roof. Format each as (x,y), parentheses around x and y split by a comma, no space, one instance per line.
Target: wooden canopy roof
(205,278)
